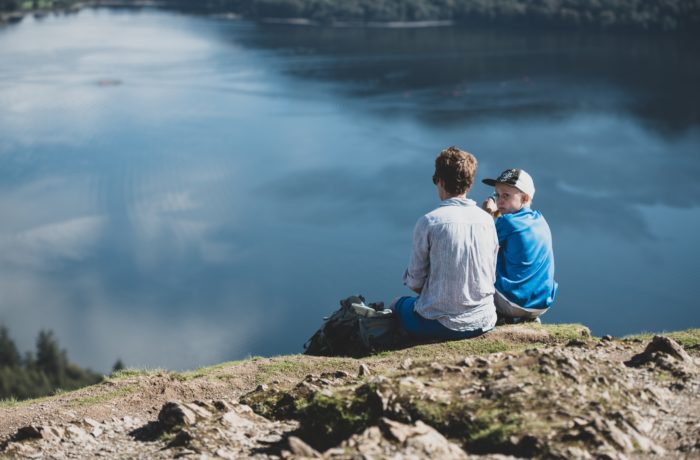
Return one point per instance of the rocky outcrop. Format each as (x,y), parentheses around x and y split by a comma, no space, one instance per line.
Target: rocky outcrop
(586,398)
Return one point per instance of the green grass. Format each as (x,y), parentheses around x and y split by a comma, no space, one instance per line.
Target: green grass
(133,372)
(11,402)
(98,399)
(566,332)
(296,366)
(688,338)
(208,370)
(41,4)
(486,344)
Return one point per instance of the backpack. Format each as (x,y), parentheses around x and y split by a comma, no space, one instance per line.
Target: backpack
(347,333)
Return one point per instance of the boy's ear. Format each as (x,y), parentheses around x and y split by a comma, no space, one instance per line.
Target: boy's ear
(526,198)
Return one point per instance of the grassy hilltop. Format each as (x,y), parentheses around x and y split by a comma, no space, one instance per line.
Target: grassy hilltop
(549,391)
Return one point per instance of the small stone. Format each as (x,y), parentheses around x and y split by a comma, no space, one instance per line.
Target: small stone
(660,345)
(236,421)
(182,439)
(571,376)
(175,414)
(93,423)
(226,454)
(302,449)
(363,371)
(437,368)
(200,411)
(76,434)
(27,432)
(406,364)
(52,433)
(221,406)
(421,440)
(580,422)
(619,438)
(607,338)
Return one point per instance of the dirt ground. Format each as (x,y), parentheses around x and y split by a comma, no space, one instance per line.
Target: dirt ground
(109,418)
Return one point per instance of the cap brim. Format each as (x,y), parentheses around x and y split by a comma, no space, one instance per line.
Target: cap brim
(491,182)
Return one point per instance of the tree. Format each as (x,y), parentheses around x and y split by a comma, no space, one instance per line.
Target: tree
(9,356)
(49,358)
(118,366)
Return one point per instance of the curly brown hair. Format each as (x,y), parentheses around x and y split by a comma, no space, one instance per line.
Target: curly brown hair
(456,168)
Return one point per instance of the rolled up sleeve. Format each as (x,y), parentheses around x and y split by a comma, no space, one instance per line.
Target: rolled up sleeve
(419,265)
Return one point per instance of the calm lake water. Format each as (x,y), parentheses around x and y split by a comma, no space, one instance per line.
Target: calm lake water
(178,191)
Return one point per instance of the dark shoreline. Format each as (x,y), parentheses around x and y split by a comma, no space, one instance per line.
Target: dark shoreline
(684,21)
(16,16)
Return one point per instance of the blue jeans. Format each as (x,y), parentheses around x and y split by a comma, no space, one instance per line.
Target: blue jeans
(423,328)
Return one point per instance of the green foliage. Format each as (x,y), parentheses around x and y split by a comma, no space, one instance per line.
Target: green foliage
(118,366)
(9,356)
(9,5)
(669,15)
(46,374)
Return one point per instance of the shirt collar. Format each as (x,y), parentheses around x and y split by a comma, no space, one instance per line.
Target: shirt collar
(458,202)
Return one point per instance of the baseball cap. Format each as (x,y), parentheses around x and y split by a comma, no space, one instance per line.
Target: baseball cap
(517,178)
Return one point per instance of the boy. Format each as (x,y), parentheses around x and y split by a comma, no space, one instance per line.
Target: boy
(525,286)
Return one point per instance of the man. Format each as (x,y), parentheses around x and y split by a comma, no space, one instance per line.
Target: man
(453,263)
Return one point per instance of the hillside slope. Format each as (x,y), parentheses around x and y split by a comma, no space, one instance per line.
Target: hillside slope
(525,390)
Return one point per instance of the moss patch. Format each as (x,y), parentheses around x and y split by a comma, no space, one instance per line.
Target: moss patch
(328,419)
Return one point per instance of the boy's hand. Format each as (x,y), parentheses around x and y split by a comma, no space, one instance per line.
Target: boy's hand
(489,205)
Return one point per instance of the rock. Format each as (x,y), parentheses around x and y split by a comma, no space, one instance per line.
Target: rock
(437,368)
(52,433)
(182,439)
(234,420)
(363,371)
(420,439)
(300,448)
(93,423)
(174,414)
(199,411)
(27,432)
(77,434)
(223,406)
(660,346)
(96,432)
(335,375)
(226,454)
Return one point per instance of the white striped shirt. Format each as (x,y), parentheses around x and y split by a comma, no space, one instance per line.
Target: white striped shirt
(454,263)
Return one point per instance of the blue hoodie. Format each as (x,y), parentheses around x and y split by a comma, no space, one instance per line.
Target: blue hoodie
(525,265)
